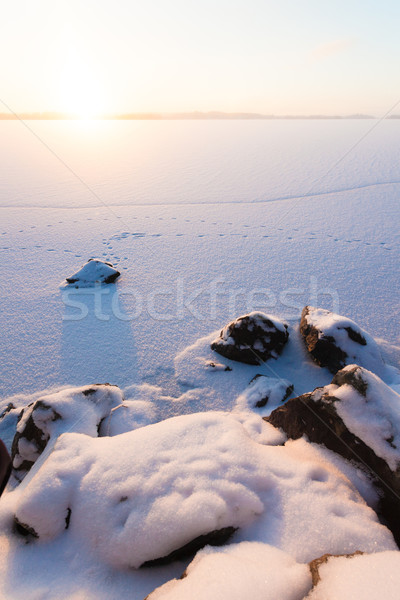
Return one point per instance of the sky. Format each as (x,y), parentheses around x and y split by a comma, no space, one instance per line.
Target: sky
(286,57)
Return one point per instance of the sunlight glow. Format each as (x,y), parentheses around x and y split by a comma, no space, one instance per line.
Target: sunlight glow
(81,93)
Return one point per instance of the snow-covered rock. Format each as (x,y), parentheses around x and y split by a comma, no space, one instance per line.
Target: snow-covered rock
(366,576)
(262,390)
(335,341)
(248,569)
(144,495)
(94,272)
(358,417)
(74,409)
(252,339)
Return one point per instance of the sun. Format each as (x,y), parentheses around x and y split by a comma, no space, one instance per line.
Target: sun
(81,94)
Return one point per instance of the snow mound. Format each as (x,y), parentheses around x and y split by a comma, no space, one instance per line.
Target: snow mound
(74,409)
(366,576)
(264,390)
(335,341)
(248,569)
(94,272)
(144,495)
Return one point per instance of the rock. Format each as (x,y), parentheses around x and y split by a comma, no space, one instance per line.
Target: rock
(334,341)
(5,467)
(358,417)
(215,366)
(94,272)
(252,339)
(315,564)
(262,390)
(74,409)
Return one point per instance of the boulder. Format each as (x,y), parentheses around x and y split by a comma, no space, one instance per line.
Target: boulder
(358,417)
(74,409)
(94,272)
(334,341)
(252,339)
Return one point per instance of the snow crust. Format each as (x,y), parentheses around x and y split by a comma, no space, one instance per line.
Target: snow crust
(238,571)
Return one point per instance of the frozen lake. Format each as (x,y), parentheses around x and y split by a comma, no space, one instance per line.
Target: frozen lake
(128,163)
(206,220)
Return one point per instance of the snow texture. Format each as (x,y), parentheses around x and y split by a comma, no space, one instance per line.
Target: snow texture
(368,576)
(248,569)
(139,496)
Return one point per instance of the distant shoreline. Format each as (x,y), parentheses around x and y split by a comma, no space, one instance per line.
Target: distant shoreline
(191,116)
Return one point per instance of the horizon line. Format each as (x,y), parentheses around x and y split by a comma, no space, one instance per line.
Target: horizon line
(189,115)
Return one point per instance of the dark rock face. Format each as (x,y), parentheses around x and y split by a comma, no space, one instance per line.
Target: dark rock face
(334,341)
(218,537)
(252,339)
(315,416)
(5,467)
(322,347)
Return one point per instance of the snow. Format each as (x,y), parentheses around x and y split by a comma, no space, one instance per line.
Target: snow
(76,409)
(363,576)
(205,222)
(94,272)
(263,391)
(237,571)
(141,495)
(373,417)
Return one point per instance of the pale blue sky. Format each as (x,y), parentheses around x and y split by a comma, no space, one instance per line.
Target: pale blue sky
(274,57)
